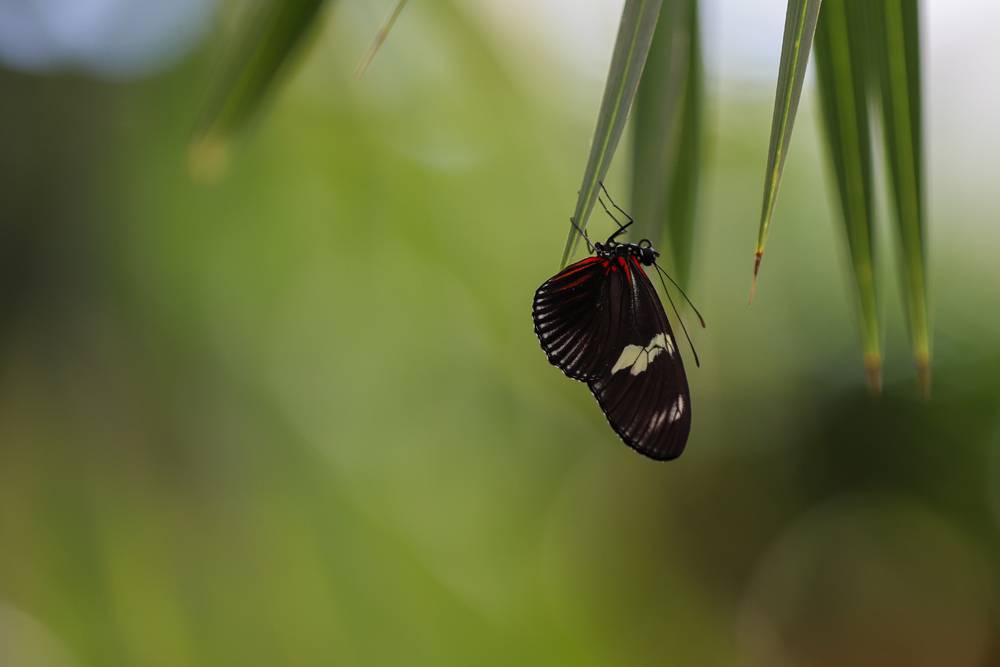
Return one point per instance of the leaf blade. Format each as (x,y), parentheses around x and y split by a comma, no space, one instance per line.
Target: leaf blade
(274,33)
(800,26)
(667,139)
(844,78)
(635,34)
(379,40)
(899,58)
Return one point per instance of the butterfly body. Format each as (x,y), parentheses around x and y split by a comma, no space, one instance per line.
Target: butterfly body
(601,322)
(642,252)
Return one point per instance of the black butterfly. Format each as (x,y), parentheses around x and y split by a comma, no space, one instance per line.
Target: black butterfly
(600,321)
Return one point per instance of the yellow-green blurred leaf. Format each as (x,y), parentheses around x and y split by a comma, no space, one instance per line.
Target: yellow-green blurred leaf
(274,31)
(844,75)
(635,34)
(800,25)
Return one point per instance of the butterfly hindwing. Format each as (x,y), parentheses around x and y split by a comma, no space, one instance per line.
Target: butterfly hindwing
(643,389)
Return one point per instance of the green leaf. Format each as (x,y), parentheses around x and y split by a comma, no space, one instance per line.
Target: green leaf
(844,77)
(898,53)
(635,33)
(379,39)
(666,157)
(274,32)
(800,25)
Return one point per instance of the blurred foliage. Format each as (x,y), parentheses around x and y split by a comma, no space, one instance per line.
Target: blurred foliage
(668,145)
(896,49)
(869,55)
(845,76)
(301,417)
(380,38)
(271,32)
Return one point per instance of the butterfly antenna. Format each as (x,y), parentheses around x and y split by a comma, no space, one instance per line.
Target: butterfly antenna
(617,207)
(679,289)
(590,246)
(679,318)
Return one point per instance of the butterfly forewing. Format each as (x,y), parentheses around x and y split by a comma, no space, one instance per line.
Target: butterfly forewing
(578,313)
(601,321)
(643,390)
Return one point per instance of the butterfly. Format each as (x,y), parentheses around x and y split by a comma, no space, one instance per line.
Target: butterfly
(600,321)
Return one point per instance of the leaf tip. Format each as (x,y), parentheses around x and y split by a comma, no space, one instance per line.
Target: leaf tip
(923,364)
(873,373)
(756,269)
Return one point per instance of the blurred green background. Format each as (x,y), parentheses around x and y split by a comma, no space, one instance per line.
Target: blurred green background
(300,417)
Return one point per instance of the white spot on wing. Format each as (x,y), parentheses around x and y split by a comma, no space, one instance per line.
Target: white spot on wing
(639,358)
(677,409)
(628,357)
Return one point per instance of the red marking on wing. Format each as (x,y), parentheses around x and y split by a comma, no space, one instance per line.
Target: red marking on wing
(579,266)
(573,269)
(625,268)
(574,283)
(638,265)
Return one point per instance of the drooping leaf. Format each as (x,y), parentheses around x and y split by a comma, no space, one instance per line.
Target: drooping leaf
(635,33)
(684,190)
(897,51)
(379,39)
(666,158)
(800,25)
(273,32)
(844,78)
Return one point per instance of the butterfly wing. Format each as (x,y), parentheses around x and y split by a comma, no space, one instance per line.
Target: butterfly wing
(643,391)
(577,312)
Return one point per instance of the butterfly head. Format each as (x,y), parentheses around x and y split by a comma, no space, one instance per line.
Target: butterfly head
(642,251)
(646,253)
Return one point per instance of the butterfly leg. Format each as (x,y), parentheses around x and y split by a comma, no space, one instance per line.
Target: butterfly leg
(583,233)
(621,227)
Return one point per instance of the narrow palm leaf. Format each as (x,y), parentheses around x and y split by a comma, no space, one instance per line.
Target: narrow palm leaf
(800,25)
(844,75)
(635,33)
(667,140)
(379,39)
(274,31)
(897,51)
